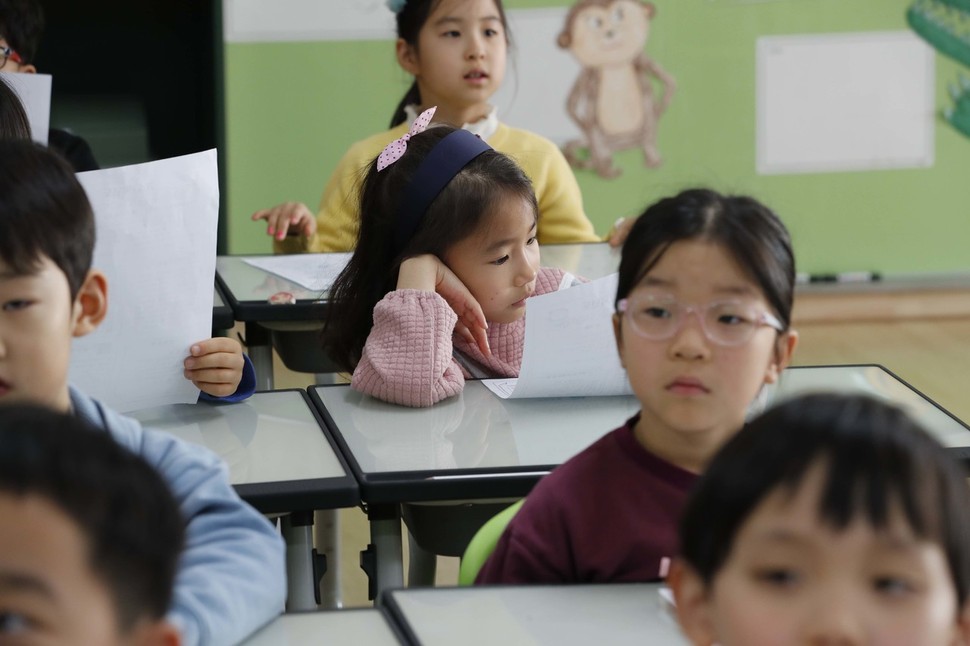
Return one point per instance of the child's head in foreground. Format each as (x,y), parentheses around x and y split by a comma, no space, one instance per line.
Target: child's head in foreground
(48,291)
(829,519)
(481,224)
(90,536)
(703,302)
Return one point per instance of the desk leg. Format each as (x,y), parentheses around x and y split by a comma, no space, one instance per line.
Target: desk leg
(298,533)
(385,536)
(260,351)
(422,565)
(326,524)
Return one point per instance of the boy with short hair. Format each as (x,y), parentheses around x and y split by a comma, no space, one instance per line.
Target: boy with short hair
(231,578)
(90,538)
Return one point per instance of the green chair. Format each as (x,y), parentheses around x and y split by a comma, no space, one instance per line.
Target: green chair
(483,544)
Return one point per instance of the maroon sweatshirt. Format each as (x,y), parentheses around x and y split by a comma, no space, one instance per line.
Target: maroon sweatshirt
(608,514)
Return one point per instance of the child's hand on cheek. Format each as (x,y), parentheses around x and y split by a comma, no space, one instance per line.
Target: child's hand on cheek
(427,272)
(215,366)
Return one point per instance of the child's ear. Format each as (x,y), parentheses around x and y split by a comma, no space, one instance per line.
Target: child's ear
(692,603)
(90,304)
(406,56)
(784,349)
(618,334)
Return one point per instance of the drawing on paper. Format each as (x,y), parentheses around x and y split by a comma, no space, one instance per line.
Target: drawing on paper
(613,101)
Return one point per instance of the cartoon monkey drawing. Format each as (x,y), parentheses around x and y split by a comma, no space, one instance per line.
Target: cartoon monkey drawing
(613,100)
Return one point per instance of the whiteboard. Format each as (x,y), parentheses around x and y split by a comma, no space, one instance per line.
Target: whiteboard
(843,102)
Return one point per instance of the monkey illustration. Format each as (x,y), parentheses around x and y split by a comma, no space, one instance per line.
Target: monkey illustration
(613,100)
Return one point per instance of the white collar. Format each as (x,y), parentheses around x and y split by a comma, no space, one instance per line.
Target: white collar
(484,127)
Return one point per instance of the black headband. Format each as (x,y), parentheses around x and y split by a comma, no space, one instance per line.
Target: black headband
(445,160)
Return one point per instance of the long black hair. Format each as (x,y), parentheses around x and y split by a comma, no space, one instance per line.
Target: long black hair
(456,213)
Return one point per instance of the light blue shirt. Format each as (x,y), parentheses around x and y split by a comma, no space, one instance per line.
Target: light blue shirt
(232,574)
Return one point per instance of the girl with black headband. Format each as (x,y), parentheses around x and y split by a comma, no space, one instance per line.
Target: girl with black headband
(447,255)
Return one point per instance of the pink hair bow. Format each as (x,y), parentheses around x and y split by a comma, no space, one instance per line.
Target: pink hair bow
(393,151)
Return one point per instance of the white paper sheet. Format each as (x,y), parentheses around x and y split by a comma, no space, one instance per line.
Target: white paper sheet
(570,349)
(315,271)
(156,227)
(34,91)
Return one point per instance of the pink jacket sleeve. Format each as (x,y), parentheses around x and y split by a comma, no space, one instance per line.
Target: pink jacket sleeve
(407,358)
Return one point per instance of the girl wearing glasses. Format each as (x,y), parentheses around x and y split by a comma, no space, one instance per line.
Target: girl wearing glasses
(702,324)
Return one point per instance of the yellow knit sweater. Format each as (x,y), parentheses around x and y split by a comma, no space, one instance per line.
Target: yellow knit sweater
(561,215)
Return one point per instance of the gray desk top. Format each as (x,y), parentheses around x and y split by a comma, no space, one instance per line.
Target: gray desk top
(245,283)
(353,627)
(476,430)
(273,444)
(465,445)
(615,614)
(880,383)
(248,283)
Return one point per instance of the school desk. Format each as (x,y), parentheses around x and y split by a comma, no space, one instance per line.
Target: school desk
(471,448)
(881,383)
(294,328)
(247,290)
(351,627)
(555,615)
(281,461)
(476,447)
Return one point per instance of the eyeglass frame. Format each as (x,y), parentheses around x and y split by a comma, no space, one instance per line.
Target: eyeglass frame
(764,319)
(9,53)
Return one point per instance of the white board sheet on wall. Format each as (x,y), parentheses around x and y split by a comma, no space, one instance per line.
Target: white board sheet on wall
(256,21)
(844,102)
(539,77)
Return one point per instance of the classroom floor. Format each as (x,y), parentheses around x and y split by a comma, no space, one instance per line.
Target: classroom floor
(931,355)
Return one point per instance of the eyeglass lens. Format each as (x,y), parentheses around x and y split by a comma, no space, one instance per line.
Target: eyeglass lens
(726,322)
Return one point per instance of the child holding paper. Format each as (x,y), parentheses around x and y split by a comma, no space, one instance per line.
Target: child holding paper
(231,577)
(852,528)
(456,50)
(703,308)
(217,366)
(435,291)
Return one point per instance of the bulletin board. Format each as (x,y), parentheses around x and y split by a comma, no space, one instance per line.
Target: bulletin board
(828,111)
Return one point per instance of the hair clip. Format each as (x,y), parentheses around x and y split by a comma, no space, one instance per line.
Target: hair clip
(396,5)
(393,151)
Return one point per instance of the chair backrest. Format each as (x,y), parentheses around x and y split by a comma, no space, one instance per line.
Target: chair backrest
(483,544)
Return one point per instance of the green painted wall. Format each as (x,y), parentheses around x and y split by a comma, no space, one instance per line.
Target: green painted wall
(293,108)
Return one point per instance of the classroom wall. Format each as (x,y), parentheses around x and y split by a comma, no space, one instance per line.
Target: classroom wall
(294,106)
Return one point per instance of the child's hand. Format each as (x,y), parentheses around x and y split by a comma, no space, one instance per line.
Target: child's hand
(427,272)
(215,366)
(289,218)
(620,231)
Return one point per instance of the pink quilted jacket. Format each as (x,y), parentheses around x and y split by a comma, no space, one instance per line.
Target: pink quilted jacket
(408,360)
